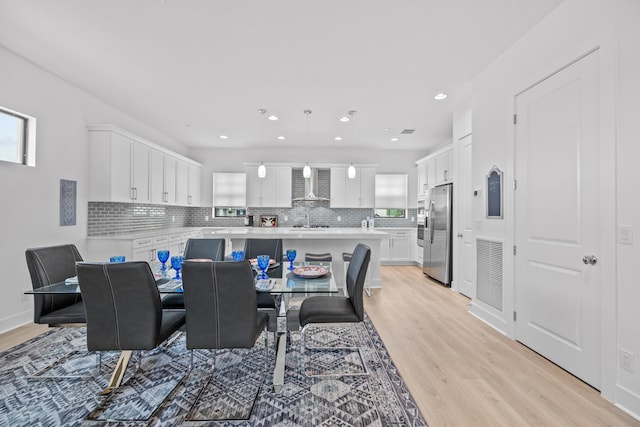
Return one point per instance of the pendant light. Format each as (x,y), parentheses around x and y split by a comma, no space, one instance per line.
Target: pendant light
(306,171)
(351,170)
(262,170)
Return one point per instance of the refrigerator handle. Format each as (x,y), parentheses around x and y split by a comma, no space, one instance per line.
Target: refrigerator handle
(431,203)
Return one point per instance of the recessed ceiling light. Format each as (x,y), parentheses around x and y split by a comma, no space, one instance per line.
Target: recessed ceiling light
(394,139)
(440,96)
(273,117)
(344,119)
(281,137)
(337,138)
(224,137)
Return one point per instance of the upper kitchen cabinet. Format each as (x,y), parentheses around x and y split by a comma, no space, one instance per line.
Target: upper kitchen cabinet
(188,177)
(444,164)
(435,169)
(353,193)
(119,167)
(230,190)
(273,191)
(195,185)
(163,178)
(127,168)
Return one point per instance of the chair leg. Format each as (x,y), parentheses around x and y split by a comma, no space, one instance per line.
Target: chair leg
(193,408)
(304,347)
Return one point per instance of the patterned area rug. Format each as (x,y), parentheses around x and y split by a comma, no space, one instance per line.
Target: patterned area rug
(227,385)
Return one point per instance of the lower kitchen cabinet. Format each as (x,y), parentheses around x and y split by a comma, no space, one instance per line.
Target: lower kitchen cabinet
(397,248)
(141,248)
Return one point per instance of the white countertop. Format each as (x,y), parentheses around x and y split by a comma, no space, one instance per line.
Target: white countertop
(295,233)
(243,232)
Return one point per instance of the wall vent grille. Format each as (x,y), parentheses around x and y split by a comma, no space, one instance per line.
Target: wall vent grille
(489,273)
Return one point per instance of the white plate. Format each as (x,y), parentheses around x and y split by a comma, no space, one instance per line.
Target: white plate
(310,271)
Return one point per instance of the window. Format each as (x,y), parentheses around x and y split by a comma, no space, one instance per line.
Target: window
(391,196)
(17,137)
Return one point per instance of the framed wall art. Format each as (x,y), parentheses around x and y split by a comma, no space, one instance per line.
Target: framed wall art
(494,194)
(268,220)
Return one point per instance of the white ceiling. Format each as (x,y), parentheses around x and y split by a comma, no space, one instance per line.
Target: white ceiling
(198,69)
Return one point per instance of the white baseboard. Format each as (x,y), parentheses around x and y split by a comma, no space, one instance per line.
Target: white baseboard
(628,401)
(488,317)
(15,321)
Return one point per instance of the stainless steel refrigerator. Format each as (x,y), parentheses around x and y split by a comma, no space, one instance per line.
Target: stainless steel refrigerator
(437,235)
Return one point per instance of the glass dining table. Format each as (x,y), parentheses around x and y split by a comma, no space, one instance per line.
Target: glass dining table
(306,279)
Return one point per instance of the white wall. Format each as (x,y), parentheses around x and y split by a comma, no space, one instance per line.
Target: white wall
(29,212)
(232,160)
(569,31)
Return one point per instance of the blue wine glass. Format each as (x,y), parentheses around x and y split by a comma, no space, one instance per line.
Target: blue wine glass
(163,257)
(291,256)
(263,264)
(176,263)
(237,255)
(117,258)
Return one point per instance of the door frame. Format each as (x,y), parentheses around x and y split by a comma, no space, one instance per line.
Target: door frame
(605,44)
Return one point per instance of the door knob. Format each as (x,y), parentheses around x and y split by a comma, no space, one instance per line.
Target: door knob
(590,259)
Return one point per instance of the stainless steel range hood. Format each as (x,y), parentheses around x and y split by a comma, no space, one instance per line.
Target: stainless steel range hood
(311,189)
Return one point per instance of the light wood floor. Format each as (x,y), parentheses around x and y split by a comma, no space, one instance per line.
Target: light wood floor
(464,373)
(460,371)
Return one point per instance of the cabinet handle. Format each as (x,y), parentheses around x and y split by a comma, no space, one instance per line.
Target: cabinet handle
(446,172)
(165,196)
(153,254)
(135,193)
(189,199)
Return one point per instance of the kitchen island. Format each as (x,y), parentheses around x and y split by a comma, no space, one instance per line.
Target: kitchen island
(314,240)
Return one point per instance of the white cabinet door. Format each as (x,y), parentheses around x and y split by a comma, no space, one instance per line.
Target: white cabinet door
(367,187)
(269,188)
(431,173)
(195,179)
(170,165)
(254,187)
(443,168)
(140,173)
(399,247)
(421,180)
(338,188)
(352,190)
(163,178)
(157,177)
(182,182)
(283,187)
(120,171)
(230,189)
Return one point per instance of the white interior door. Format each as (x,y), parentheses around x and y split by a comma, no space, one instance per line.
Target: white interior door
(557,221)
(465,277)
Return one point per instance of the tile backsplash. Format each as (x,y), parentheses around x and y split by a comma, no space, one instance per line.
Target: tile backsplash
(110,218)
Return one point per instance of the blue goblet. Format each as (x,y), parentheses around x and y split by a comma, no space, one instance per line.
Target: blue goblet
(163,257)
(176,263)
(237,255)
(291,256)
(263,264)
(117,258)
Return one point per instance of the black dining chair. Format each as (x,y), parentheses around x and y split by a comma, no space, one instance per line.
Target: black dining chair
(212,249)
(273,248)
(221,313)
(49,265)
(124,313)
(336,310)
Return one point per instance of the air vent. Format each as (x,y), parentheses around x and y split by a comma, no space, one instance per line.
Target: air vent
(489,273)
(407,131)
